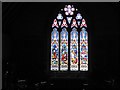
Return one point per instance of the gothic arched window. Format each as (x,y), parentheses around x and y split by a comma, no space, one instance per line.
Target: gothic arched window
(64,50)
(74,50)
(54,49)
(69,30)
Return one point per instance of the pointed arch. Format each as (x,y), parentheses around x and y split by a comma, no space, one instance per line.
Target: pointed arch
(64,50)
(55,50)
(71,25)
(74,50)
(83,50)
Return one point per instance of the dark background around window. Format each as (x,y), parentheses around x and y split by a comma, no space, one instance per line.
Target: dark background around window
(26,39)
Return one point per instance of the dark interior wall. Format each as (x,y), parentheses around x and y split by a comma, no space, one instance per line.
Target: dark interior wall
(26,38)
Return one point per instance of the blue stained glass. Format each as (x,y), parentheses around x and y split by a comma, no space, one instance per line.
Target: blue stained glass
(62,46)
(64,50)
(54,50)
(74,50)
(83,50)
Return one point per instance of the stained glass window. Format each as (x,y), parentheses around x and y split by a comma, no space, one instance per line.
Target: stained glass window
(64,50)
(83,50)
(54,50)
(74,50)
(69,29)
